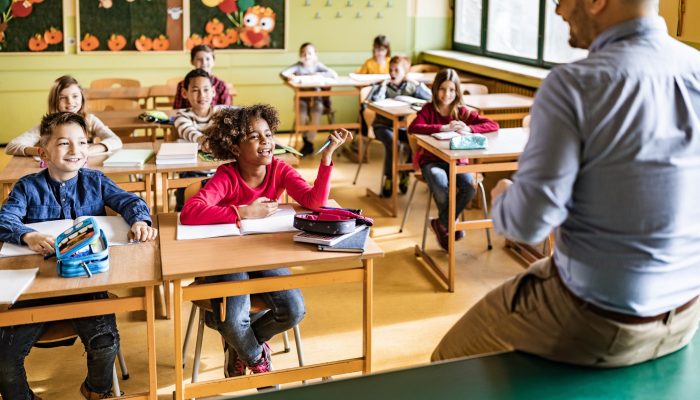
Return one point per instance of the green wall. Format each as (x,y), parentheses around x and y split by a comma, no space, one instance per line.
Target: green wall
(343,44)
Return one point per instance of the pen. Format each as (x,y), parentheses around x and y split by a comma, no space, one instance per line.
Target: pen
(323,147)
(46,257)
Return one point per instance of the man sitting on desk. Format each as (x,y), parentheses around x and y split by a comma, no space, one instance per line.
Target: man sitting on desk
(614,162)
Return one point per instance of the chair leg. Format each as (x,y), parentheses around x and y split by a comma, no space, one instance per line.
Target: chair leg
(297,341)
(408,205)
(116,390)
(427,218)
(285,338)
(359,162)
(188,333)
(198,348)
(122,365)
(485,207)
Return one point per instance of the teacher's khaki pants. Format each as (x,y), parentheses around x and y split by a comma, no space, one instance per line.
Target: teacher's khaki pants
(535,313)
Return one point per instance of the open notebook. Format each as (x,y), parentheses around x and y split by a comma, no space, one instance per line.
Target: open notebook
(115,228)
(281,221)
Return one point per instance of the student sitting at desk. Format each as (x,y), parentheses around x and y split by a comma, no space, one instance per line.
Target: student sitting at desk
(64,190)
(310,108)
(190,122)
(446,113)
(397,85)
(66,95)
(381,54)
(202,57)
(249,187)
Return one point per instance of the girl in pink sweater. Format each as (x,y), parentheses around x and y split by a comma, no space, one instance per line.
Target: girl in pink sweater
(446,113)
(249,187)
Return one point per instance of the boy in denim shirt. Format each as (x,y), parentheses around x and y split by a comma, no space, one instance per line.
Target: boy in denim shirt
(64,190)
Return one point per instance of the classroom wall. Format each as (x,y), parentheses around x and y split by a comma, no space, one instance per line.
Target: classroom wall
(343,44)
(690,33)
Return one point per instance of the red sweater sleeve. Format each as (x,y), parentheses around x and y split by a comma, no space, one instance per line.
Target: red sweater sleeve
(311,197)
(423,123)
(477,123)
(204,207)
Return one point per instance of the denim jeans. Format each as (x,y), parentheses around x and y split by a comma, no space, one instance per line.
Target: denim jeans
(99,336)
(436,174)
(310,110)
(286,310)
(386,135)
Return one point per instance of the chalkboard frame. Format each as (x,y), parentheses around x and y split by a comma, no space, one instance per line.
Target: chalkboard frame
(64,27)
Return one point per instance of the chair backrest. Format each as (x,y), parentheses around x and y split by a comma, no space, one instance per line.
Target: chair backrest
(174,81)
(473,88)
(424,68)
(112,104)
(192,189)
(114,82)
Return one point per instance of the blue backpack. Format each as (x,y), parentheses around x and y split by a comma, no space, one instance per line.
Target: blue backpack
(82,250)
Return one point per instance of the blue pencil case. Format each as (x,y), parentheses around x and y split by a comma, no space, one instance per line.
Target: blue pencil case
(82,250)
(468,142)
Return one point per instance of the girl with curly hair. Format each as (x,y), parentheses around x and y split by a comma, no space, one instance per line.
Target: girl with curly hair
(249,187)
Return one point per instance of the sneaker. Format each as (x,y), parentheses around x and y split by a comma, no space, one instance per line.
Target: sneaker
(264,363)
(459,235)
(307,148)
(386,189)
(404,179)
(90,395)
(440,232)
(233,365)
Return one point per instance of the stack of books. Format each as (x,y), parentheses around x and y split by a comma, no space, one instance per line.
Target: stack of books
(127,158)
(353,242)
(177,154)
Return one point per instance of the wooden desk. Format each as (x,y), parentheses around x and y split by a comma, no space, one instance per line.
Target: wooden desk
(515,376)
(122,93)
(400,117)
(131,266)
(186,259)
(504,146)
(500,106)
(128,120)
(20,166)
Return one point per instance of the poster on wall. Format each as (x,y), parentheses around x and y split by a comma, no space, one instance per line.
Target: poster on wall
(238,24)
(129,25)
(34,26)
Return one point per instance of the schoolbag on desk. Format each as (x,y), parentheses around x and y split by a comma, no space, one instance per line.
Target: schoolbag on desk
(82,250)
(331,220)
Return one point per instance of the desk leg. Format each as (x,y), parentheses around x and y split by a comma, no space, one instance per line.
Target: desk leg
(179,378)
(148,183)
(164,192)
(367,315)
(394,167)
(297,120)
(151,339)
(452,196)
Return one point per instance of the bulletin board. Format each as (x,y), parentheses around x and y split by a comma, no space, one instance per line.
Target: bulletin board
(238,24)
(34,26)
(129,25)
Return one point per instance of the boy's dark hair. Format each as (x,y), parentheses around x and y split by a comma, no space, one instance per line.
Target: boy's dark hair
(195,73)
(50,121)
(304,45)
(382,41)
(200,47)
(227,127)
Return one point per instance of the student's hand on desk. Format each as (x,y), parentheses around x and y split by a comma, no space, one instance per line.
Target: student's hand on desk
(260,208)
(42,244)
(337,138)
(457,126)
(97,148)
(142,232)
(499,189)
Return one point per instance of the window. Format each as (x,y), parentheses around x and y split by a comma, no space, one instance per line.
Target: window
(525,31)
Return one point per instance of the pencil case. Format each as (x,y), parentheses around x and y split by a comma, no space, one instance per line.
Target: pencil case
(330,221)
(82,250)
(468,142)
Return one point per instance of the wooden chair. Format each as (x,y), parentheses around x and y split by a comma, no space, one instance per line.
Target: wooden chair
(424,68)
(473,88)
(114,82)
(418,175)
(126,135)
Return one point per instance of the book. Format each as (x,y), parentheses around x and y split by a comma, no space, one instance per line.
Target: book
(280,221)
(128,158)
(115,228)
(445,135)
(411,100)
(369,78)
(352,244)
(324,239)
(15,282)
(177,153)
(389,103)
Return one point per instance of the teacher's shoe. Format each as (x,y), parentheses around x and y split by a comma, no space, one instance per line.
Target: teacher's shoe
(90,395)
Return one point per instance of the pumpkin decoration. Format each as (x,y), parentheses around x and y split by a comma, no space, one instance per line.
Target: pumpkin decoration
(231,35)
(37,43)
(220,41)
(89,43)
(207,40)
(143,43)
(53,36)
(211,3)
(228,6)
(21,9)
(116,42)
(105,4)
(214,27)
(193,40)
(161,43)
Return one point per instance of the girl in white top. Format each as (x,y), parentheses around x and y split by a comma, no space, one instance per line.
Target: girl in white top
(66,95)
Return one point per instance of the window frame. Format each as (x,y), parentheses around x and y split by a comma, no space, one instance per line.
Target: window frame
(481,50)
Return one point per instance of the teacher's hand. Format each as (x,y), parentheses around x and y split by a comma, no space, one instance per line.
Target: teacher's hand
(499,189)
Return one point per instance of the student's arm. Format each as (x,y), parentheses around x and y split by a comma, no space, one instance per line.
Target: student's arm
(203,208)
(223,97)
(108,139)
(364,69)
(24,144)
(422,123)
(180,101)
(422,92)
(290,71)
(378,92)
(476,123)
(325,71)
(186,126)
(131,207)
(311,197)
(12,216)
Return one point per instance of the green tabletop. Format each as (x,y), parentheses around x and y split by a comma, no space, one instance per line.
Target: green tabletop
(515,376)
